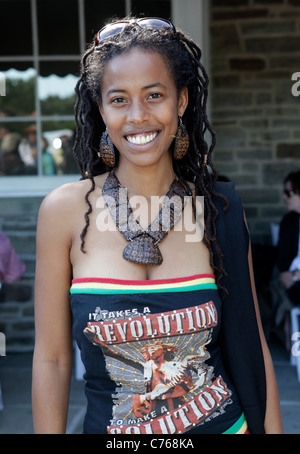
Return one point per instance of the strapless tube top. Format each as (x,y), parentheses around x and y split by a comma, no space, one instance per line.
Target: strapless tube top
(152,359)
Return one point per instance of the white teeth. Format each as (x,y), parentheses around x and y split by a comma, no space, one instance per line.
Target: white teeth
(142,139)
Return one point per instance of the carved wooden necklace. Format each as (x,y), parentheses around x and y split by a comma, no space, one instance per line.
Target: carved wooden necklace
(143,244)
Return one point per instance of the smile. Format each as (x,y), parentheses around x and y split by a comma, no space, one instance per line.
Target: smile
(142,139)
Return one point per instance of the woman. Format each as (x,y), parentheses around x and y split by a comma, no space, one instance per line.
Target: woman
(146,301)
(288,246)
(287,277)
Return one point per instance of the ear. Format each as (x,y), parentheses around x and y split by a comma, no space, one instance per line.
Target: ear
(183,100)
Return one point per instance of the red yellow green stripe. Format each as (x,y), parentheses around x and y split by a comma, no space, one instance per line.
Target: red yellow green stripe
(103,286)
(240,427)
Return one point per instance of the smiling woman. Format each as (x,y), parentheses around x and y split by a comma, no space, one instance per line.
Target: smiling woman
(169,329)
(140,109)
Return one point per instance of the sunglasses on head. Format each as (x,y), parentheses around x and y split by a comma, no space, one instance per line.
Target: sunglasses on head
(288,193)
(145,22)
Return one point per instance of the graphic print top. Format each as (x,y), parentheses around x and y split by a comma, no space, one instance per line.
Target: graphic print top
(153,365)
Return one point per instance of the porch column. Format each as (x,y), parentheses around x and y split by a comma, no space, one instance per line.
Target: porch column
(193,17)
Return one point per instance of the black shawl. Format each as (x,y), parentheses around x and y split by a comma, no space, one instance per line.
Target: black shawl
(240,340)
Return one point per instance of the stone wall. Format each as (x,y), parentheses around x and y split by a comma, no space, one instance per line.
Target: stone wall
(255,50)
(18,219)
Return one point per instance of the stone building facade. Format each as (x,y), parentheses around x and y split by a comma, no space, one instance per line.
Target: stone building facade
(255,51)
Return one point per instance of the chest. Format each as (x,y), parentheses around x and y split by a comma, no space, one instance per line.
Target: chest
(182,247)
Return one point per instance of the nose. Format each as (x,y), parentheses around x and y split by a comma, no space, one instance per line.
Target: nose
(137,113)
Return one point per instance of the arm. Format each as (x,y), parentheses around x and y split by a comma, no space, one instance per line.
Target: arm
(273,421)
(53,347)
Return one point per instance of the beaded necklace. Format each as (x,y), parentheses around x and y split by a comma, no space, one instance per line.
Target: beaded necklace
(143,243)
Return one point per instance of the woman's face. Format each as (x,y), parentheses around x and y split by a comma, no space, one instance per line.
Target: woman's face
(293,202)
(140,106)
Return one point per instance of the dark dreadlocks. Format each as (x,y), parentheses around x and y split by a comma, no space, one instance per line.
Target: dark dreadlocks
(183,58)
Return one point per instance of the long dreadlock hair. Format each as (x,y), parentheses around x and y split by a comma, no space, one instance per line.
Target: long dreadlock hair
(183,58)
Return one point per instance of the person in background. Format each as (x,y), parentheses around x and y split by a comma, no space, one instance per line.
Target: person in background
(289,239)
(11,270)
(288,262)
(47,159)
(10,161)
(28,150)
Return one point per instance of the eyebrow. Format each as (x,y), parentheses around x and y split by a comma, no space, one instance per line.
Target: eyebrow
(157,84)
(147,87)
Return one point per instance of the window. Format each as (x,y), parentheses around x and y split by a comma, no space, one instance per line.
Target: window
(39,62)
(40,55)
(41,43)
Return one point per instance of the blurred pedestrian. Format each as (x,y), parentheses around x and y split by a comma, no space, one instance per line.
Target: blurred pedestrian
(289,239)
(289,251)
(11,270)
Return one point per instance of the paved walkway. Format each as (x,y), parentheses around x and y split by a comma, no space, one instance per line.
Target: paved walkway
(15,380)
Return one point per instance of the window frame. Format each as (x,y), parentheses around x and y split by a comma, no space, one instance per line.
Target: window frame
(40,185)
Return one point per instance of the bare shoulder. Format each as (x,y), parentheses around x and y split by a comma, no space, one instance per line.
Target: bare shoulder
(62,207)
(65,198)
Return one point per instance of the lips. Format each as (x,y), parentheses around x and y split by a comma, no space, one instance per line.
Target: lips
(142,138)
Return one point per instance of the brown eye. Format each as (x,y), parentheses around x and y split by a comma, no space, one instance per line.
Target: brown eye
(118,100)
(155,96)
